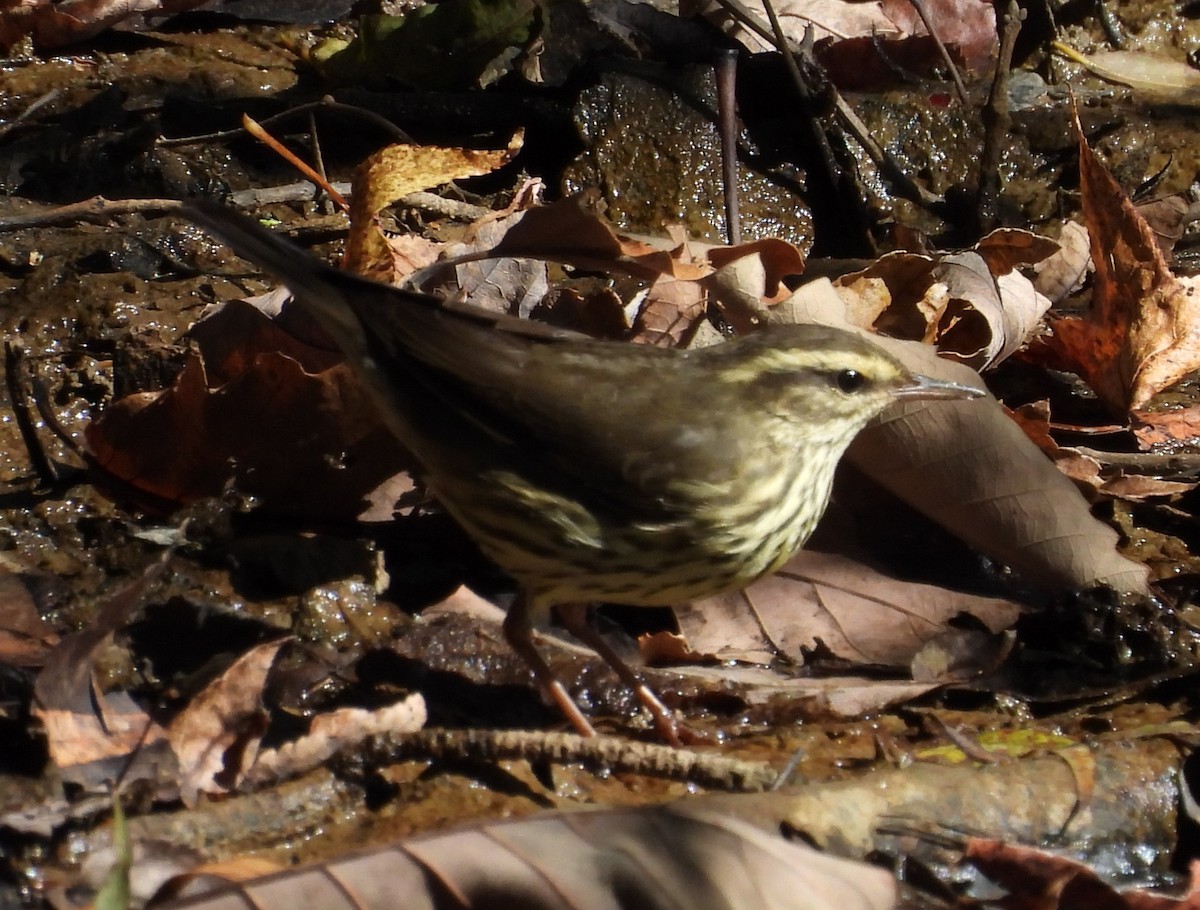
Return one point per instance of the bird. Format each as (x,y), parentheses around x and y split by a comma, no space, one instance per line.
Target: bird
(597,470)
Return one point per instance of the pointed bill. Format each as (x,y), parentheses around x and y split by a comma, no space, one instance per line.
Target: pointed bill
(926,387)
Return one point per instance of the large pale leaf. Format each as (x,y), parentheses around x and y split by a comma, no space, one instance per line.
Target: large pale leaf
(669,857)
(967,466)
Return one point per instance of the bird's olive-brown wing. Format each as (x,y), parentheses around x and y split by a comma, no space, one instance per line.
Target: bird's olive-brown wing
(464,387)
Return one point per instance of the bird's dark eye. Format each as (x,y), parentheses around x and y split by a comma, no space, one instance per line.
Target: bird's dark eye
(849,380)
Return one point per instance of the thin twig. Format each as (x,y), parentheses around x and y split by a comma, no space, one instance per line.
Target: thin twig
(300,191)
(23,117)
(326,104)
(41,400)
(785,777)
(315,145)
(97,209)
(1170,465)
(597,752)
(1110,24)
(256,130)
(959,89)
(303,191)
(903,184)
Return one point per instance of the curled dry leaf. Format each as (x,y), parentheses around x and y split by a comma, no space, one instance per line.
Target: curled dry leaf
(392,173)
(974,305)
(565,232)
(216,737)
(1063,272)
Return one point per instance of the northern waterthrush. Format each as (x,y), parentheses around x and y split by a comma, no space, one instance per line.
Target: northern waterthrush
(599,470)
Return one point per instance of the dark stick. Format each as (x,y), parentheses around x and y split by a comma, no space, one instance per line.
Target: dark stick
(727,120)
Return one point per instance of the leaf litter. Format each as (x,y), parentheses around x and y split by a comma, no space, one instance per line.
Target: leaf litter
(961,300)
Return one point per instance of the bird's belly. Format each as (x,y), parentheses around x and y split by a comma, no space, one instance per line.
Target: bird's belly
(560,552)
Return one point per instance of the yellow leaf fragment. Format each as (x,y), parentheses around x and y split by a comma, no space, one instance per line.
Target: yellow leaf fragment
(394,172)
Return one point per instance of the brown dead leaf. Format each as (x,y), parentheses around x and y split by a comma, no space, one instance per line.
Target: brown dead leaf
(411,252)
(756,267)
(672,308)
(971,469)
(869,64)
(564,231)
(1007,249)
(1167,218)
(192,440)
(667,648)
(968,25)
(1089,471)
(600,314)
(1142,333)
(899,291)
(475,624)
(216,737)
(1034,420)
(25,638)
(744,278)
(53,24)
(749,278)
(1045,879)
(835,19)
(91,733)
(988,316)
(213,876)
(503,284)
(853,611)
(1139,487)
(89,747)
(957,655)
(1166,429)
